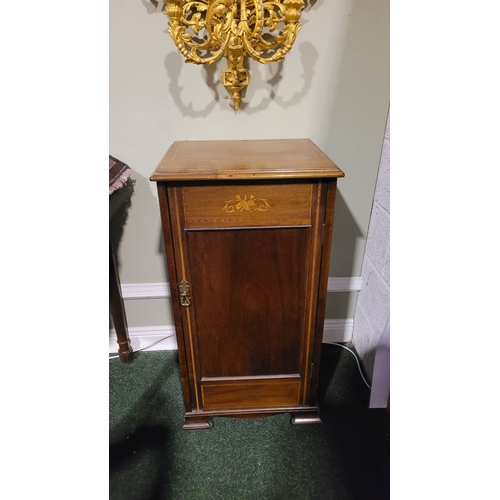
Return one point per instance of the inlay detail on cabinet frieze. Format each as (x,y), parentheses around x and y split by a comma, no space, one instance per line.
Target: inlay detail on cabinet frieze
(246,204)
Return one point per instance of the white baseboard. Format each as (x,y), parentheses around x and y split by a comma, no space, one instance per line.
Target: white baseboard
(162,338)
(338,330)
(150,338)
(139,291)
(347,284)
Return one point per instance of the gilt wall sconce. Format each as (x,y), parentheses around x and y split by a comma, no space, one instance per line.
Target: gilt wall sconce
(207,30)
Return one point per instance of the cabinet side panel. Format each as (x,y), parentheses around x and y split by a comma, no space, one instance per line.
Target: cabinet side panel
(331,189)
(314,266)
(170,261)
(249,296)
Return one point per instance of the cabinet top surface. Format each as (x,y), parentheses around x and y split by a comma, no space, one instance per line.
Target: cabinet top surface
(245,159)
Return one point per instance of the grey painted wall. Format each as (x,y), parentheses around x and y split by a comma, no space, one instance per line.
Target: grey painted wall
(333,88)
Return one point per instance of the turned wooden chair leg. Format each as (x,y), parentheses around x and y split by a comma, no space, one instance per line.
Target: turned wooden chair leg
(117,310)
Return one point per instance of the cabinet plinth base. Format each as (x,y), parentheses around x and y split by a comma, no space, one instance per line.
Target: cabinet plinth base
(196,422)
(299,416)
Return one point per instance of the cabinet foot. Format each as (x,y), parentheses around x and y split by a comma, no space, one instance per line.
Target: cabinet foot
(196,422)
(310,417)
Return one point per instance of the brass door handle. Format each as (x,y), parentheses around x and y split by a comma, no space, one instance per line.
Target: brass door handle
(185,295)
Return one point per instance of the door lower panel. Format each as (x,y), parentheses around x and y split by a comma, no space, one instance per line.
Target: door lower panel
(259,393)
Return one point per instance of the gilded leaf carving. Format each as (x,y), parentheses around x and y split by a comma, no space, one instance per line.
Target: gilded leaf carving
(265,30)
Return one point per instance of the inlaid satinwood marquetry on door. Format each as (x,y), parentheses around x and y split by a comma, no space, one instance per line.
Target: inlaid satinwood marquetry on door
(247,227)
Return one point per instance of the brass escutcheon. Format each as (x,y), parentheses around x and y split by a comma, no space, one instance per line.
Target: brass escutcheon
(185,296)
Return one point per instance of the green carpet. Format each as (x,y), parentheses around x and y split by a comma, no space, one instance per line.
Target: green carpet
(151,457)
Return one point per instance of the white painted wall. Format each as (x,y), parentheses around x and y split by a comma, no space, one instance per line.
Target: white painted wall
(333,88)
(373,307)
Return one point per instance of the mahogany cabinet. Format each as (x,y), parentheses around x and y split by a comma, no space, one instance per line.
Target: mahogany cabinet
(247,227)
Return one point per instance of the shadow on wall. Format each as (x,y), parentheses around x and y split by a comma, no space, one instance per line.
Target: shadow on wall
(173,65)
(119,205)
(161,249)
(308,58)
(258,81)
(264,81)
(134,216)
(345,234)
(142,226)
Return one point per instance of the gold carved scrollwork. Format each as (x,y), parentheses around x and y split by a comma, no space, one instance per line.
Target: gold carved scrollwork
(206,30)
(246,204)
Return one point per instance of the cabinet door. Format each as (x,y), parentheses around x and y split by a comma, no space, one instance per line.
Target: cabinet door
(250,257)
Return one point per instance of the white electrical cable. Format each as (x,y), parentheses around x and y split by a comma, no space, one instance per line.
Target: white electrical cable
(148,346)
(331,343)
(355,357)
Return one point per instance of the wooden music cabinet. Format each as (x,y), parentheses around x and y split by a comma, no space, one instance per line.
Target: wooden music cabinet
(247,227)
